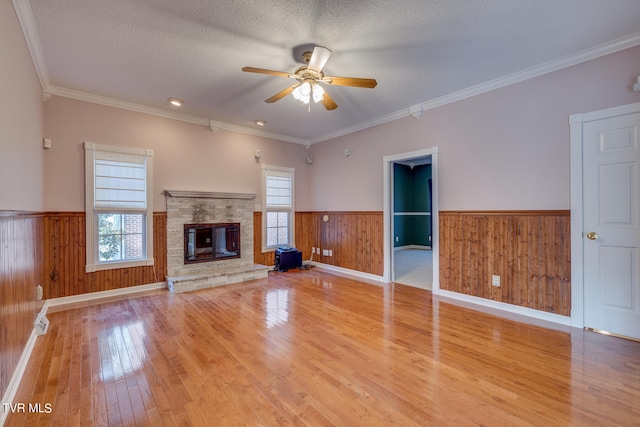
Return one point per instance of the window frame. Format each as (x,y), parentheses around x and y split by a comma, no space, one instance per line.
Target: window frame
(278,170)
(92,262)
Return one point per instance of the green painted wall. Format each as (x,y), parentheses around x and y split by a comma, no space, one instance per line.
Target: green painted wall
(411,194)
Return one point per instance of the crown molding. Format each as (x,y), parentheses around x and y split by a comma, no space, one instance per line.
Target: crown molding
(414,110)
(25,18)
(537,71)
(131,106)
(517,77)
(124,105)
(257,132)
(27,23)
(362,126)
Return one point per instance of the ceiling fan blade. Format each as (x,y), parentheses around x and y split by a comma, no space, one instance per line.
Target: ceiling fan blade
(328,102)
(351,81)
(263,71)
(278,96)
(319,58)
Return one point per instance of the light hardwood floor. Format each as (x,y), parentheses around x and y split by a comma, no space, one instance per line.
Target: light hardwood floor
(308,348)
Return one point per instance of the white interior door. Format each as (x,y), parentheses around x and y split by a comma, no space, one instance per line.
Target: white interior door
(611,234)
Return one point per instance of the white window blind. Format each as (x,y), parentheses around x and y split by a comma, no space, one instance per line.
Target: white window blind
(278,189)
(120,181)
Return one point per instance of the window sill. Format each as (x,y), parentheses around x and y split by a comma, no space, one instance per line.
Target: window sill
(90,268)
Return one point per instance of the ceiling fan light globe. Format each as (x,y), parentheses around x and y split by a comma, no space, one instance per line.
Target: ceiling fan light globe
(318,93)
(302,93)
(305,89)
(296,94)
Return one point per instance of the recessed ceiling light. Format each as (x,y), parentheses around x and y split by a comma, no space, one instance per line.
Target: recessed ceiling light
(260,122)
(176,102)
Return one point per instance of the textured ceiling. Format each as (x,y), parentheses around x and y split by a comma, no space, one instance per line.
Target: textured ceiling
(145,51)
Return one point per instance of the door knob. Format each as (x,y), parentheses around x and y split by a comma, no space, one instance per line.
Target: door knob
(592,235)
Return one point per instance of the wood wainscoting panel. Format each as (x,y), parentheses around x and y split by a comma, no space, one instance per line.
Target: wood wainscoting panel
(64,258)
(20,268)
(354,238)
(259,257)
(307,233)
(529,250)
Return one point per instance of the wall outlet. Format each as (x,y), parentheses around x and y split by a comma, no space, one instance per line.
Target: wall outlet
(325,252)
(330,252)
(313,250)
(495,280)
(396,238)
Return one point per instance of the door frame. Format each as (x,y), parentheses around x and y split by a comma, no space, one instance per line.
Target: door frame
(387,172)
(576,122)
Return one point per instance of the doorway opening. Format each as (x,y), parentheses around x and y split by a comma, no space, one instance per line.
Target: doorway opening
(411,206)
(411,220)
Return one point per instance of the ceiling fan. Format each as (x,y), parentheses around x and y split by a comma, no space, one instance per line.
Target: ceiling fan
(309,76)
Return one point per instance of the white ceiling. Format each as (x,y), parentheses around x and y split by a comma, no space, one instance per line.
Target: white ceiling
(138,53)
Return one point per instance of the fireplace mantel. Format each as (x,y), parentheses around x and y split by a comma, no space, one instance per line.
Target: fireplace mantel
(209,195)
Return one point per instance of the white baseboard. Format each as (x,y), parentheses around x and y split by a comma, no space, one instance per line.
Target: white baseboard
(16,378)
(18,373)
(528,315)
(53,302)
(489,305)
(354,274)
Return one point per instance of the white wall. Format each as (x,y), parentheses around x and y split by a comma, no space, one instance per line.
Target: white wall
(21,120)
(186,156)
(504,150)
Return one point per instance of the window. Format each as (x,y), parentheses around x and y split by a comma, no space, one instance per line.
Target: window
(277,207)
(120,237)
(119,208)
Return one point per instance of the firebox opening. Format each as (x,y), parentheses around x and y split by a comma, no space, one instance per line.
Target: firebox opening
(211,242)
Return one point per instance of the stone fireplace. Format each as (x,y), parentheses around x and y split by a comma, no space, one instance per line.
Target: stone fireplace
(190,211)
